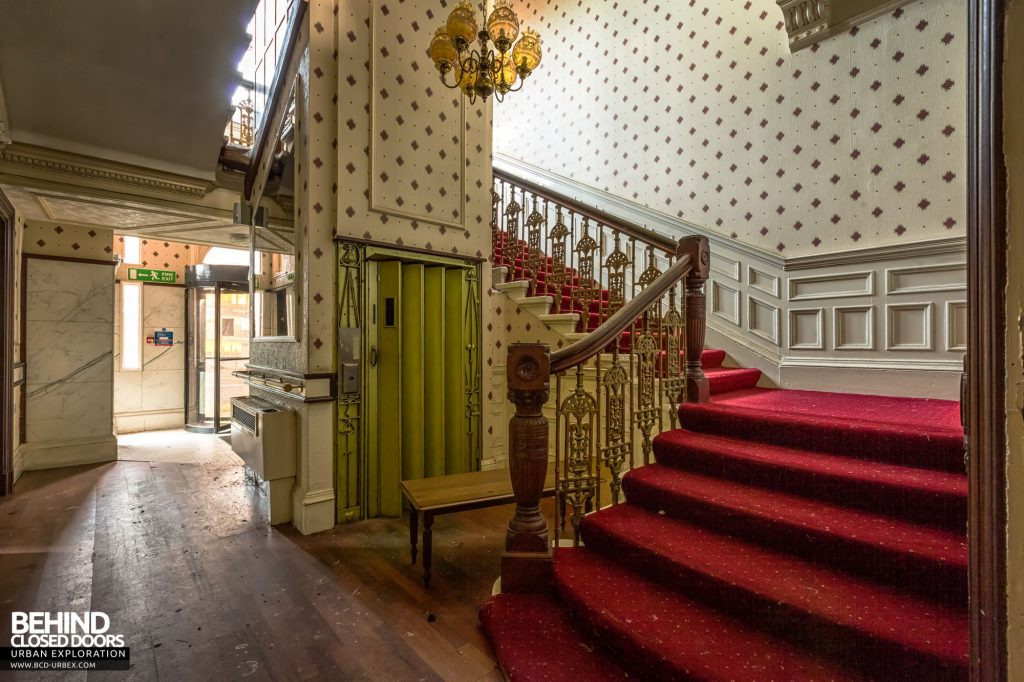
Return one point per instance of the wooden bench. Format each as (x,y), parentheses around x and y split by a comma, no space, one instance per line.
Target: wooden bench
(430,497)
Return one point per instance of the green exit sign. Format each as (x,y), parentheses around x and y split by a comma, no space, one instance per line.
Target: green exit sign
(148,275)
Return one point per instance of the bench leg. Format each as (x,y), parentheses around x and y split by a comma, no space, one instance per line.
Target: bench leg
(414,531)
(428,533)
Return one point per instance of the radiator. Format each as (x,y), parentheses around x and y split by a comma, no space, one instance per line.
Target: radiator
(263,435)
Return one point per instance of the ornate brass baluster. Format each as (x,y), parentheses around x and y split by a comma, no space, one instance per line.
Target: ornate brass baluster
(646,348)
(588,286)
(673,382)
(616,267)
(648,276)
(512,248)
(534,255)
(497,242)
(578,484)
(617,445)
(556,278)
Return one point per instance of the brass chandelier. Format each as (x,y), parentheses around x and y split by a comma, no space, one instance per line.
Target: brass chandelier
(483,72)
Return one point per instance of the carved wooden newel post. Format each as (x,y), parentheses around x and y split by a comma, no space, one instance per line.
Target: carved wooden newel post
(697,389)
(526,562)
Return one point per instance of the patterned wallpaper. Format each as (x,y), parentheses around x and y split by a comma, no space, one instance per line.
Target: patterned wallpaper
(401,141)
(69,242)
(696,109)
(161,255)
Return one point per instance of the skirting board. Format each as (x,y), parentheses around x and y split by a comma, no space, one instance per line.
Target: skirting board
(313,511)
(155,420)
(53,454)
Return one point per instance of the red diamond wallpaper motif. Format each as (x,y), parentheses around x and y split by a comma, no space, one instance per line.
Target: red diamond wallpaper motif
(696,109)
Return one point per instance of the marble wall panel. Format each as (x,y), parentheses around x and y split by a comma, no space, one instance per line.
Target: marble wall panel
(69,351)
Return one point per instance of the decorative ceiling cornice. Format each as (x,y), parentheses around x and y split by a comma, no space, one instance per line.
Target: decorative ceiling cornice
(811,21)
(21,159)
(807,21)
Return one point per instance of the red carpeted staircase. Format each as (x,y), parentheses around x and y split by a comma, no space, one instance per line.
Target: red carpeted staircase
(780,535)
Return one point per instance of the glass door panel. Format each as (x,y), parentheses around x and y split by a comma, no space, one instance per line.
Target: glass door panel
(218,344)
(234,349)
(201,362)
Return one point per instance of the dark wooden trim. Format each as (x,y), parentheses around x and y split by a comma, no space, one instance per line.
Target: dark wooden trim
(280,90)
(638,232)
(476,260)
(69,259)
(986,372)
(7,248)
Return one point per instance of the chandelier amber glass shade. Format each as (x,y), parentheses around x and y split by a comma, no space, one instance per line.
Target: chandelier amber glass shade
(462,26)
(527,52)
(467,79)
(494,61)
(505,73)
(503,24)
(442,49)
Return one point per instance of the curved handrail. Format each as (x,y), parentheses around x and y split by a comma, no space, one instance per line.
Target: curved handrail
(599,339)
(638,232)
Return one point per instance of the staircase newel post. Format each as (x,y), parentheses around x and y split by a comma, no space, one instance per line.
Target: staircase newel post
(697,389)
(526,562)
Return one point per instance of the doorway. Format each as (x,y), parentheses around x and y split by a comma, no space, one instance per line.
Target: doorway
(422,336)
(216,343)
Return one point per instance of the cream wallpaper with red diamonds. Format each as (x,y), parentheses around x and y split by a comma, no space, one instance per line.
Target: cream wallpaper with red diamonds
(70,241)
(696,109)
(413,158)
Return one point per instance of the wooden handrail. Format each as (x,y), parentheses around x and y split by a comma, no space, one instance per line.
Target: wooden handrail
(277,99)
(610,330)
(638,232)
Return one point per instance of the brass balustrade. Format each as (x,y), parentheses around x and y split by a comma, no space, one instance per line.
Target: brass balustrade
(641,298)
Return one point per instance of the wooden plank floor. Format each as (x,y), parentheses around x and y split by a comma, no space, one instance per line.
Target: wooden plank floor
(180,556)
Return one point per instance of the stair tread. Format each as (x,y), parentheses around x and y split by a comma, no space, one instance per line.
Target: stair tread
(929,414)
(853,428)
(826,594)
(944,483)
(535,640)
(677,637)
(934,544)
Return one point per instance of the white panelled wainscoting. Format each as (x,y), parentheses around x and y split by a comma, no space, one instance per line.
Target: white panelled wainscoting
(888,320)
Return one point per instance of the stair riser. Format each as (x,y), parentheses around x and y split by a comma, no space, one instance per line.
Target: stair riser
(892,446)
(886,659)
(946,511)
(648,667)
(946,582)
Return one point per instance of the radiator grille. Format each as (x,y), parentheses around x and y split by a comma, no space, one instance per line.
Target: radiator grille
(243,418)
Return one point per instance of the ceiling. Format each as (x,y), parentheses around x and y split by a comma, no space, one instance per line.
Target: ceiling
(182,223)
(144,82)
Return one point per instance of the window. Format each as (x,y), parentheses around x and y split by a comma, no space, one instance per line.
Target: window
(131,325)
(132,250)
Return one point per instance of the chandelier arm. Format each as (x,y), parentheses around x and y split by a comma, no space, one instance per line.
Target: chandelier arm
(521,82)
(444,79)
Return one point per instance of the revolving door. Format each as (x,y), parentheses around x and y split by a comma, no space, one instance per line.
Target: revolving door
(216,343)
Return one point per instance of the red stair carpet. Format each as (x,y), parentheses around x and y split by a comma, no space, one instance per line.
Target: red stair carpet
(780,535)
